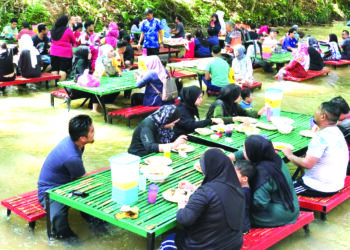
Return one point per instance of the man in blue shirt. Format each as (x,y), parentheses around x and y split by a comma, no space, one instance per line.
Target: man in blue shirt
(63,165)
(290,42)
(151,31)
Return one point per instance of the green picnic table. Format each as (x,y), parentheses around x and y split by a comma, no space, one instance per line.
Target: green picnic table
(154,219)
(300,143)
(277,57)
(9,41)
(195,69)
(109,85)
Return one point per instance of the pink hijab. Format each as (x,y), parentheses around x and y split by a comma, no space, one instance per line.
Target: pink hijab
(153,63)
(112,37)
(301,55)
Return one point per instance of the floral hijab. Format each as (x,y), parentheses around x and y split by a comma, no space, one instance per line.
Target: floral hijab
(301,55)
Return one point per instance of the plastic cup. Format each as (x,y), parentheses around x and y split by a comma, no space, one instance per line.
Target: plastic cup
(228,133)
(152,193)
(167,151)
(144,52)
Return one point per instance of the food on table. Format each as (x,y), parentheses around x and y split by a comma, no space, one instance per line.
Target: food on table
(285,128)
(279,120)
(239,127)
(219,127)
(307,133)
(251,130)
(204,131)
(244,119)
(214,137)
(176,194)
(184,148)
(197,166)
(156,173)
(282,145)
(127,212)
(265,126)
(158,160)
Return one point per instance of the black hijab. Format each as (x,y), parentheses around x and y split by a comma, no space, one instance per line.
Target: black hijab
(221,177)
(59,28)
(189,96)
(82,52)
(203,41)
(227,96)
(268,165)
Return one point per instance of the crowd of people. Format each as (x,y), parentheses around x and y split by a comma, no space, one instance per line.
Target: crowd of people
(250,188)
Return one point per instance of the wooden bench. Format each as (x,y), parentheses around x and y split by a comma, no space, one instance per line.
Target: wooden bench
(337,63)
(326,204)
(136,111)
(22,80)
(255,85)
(162,51)
(27,205)
(263,238)
(62,94)
(310,74)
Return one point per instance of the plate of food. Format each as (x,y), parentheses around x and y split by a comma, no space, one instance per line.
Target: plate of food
(238,127)
(278,120)
(307,133)
(197,166)
(251,130)
(245,119)
(184,148)
(219,127)
(156,173)
(282,145)
(265,126)
(204,131)
(158,160)
(176,194)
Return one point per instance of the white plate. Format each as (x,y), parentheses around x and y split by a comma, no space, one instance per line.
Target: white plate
(156,173)
(219,127)
(245,119)
(184,148)
(307,133)
(265,126)
(277,120)
(204,131)
(158,160)
(174,195)
(251,131)
(282,145)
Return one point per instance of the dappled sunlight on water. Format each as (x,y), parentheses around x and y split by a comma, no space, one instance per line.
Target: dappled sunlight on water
(30,128)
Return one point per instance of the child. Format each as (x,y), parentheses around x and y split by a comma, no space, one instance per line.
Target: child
(189,45)
(247,99)
(245,172)
(129,57)
(77,28)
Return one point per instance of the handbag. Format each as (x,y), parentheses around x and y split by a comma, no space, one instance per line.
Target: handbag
(87,80)
(169,91)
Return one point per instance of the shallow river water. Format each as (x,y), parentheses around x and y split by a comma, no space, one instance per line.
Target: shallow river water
(30,128)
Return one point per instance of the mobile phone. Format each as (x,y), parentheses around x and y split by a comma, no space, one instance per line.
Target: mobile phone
(78,193)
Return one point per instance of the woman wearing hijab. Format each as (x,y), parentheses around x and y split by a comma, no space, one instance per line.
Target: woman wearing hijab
(81,61)
(7,73)
(155,133)
(242,66)
(334,51)
(191,98)
(108,62)
(213,216)
(112,38)
(135,28)
(299,65)
(274,201)
(61,52)
(166,29)
(316,61)
(153,78)
(29,62)
(226,105)
(202,46)
(215,25)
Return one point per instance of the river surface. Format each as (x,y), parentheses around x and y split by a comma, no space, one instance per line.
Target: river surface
(30,128)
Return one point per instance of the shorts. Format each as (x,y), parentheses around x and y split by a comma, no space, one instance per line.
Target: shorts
(61,63)
(302,189)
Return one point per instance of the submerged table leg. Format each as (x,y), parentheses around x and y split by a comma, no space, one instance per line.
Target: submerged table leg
(150,241)
(200,80)
(103,105)
(48,221)
(169,55)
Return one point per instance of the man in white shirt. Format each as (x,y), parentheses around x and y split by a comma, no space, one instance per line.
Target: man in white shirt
(270,40)
(326,159)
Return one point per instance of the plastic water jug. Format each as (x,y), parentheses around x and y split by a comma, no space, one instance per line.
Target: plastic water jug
(125,177)
(273,99)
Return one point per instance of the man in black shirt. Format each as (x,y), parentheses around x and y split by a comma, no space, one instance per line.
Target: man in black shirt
(179,30)
(42,43)
(122,31)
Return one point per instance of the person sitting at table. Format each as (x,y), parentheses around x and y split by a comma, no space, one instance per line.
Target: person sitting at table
(316,61)
(213,216)
(61,52)
(202,46)
(212,39)
(128,55)
(242,66)
(112,38)
(290,42)
(81,61)
(179,30)
(154,134)
(122,31)
(42,43)
(153,80)
(327,156)
(217,71)
(333,54)
(10,32)
(191,99)
(77,29)
(215,25)
(7,73)
(63,165)
(25,31)
(274,201)
(165,29)
(29,62)
(345,45)
(226,105)
(108,63)
(299,65)
(189,46)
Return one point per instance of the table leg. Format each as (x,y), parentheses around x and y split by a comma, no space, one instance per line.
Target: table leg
(169,55)
(150,241)
(172,71)
(48,221)
(295,175)
(200,80)
(68,99)
(100,99)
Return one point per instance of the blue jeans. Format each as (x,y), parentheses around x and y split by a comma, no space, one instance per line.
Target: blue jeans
(210,86)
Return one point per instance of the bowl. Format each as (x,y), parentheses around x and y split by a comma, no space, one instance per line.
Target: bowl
(156,173)
(285,129)
(204,131)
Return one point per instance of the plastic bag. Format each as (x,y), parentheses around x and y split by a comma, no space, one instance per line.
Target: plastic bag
(87,80)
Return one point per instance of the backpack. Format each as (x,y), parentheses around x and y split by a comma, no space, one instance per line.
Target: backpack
(169,91)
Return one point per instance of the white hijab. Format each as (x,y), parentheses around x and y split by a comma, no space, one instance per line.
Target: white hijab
(26,43)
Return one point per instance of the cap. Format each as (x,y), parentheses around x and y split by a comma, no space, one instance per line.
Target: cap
(295,27)
(274,30)
(148,11)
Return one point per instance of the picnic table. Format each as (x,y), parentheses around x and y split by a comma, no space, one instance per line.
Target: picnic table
(300,143)
(173,43)
(9,41)
(162,51)
(109,85)
(195,66)
(154,219)
(281,58)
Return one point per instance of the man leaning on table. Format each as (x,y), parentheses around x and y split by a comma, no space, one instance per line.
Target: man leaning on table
(326,158)
(63,165)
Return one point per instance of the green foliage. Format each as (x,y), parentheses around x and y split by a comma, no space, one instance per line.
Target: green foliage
(36,13)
